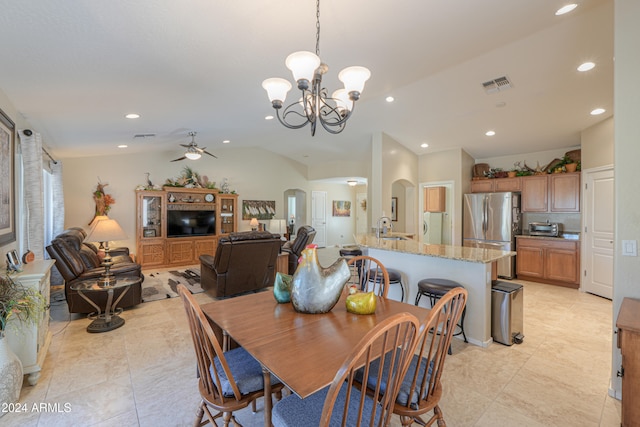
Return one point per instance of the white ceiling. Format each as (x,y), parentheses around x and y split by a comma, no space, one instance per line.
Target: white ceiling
(74,69)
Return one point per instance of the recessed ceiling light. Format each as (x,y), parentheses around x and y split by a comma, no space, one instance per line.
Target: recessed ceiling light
(490,133)
(122,146)
(586,66)
(226,141)
(424,145)
(597,111)
(268,117)
(132,116)
(566,9)
(389,99)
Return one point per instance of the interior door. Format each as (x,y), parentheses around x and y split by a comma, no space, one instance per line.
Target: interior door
(319,217)
(597,238)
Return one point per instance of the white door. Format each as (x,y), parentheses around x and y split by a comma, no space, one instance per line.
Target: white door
(597,238)
(361,213)
(319,217)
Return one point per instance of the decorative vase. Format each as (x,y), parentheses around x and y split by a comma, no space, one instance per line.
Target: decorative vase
(511,174)
(282,288)
(571,167)
(362,303)
(10,374)
(316,289)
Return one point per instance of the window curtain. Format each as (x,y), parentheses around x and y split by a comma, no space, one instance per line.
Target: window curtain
(31,148)
(57,199)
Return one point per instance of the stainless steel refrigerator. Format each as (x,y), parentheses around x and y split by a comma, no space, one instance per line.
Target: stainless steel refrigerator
(491,221)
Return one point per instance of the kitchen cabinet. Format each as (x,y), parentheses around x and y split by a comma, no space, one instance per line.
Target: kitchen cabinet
(30,342)
(549,260)
(551,193)
(482,186)
(628,324)
(508,184)
(435,199)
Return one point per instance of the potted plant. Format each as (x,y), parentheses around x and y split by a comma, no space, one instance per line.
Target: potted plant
(25,305)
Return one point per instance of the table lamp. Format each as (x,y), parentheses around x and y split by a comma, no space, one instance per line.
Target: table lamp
(105,231)
(93,223)
(254,224)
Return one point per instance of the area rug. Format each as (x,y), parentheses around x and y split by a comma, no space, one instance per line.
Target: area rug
(163,283)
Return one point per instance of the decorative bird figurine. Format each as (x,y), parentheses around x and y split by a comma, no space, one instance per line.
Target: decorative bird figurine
(149,183)
(316,289)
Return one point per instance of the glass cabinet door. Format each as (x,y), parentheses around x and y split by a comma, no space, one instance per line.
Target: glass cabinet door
(227,215)
(151,211)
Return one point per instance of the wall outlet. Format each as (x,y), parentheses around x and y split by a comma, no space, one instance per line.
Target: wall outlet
(629,248)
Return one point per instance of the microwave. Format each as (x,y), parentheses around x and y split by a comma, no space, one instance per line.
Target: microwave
(550,229)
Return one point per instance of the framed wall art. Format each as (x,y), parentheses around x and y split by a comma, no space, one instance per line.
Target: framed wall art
(341,208)
(7,184)
(260,209)
(394,209)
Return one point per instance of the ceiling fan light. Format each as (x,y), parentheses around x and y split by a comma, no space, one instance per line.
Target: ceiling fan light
(192,155)
(276,88)
(342,100)
(354,78)
(303,65)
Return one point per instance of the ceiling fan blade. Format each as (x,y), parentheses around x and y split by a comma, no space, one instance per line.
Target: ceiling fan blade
(206,152)
(200,149)
(185,145)
(180,158)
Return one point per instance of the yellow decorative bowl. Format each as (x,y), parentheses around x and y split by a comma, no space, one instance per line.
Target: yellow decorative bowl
(362,303)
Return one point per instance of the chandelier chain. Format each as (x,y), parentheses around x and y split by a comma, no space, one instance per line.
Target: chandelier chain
(318,27)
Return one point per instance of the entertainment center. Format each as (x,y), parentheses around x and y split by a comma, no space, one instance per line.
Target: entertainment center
(176,225)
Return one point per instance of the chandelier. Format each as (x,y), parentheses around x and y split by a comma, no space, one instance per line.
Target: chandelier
(315,105)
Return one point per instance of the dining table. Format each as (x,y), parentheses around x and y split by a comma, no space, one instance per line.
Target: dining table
(302,350)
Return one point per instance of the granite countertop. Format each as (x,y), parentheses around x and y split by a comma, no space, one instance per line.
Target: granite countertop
(415,247)
(563,236)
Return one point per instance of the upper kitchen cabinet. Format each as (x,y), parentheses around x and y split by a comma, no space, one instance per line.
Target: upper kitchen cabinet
(564,192)
(435,199)
(551,193)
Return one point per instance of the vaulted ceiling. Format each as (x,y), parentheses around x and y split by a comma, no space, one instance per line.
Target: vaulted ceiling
(74,69)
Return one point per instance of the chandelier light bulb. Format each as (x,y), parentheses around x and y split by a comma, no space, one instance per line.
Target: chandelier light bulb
(192,155)
(354,78)
(276,88)
(303,65)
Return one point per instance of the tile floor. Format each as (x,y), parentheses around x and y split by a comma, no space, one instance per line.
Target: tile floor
(143,374)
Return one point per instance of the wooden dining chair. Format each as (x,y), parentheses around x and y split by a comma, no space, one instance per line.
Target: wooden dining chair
(421,389)
(229,381)
(368,274)
(345,403)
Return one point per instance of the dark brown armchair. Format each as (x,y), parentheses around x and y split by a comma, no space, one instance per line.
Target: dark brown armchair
(78,261)
(244,262)
(304,237)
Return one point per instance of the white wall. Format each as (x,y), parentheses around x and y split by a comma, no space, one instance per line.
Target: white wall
(597,144)
(626,281)
(541,158)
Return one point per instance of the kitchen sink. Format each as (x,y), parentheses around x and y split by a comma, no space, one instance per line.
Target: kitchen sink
(394,238)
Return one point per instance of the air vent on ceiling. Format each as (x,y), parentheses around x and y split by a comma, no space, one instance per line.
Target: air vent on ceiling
(496,85)
(144,135)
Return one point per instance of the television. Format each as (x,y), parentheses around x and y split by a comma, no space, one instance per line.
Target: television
(190,223)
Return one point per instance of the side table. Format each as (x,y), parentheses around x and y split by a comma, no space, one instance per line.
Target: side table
(109,319)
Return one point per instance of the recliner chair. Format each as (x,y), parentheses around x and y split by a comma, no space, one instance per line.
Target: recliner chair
(244,262)
(304,237)
(77,261)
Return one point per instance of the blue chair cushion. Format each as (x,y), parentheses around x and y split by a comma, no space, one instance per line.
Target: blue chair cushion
(246,371)
(405,387)
(295,412)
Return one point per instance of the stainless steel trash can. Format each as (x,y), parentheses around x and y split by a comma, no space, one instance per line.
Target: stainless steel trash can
(506,313)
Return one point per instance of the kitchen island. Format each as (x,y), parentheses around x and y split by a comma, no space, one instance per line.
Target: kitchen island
(471,267)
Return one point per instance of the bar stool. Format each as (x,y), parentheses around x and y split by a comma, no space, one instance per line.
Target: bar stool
(395,278)
(350,251)
(435,289)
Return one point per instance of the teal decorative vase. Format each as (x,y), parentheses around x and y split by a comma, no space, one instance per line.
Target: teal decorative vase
(282,287)
(316,289)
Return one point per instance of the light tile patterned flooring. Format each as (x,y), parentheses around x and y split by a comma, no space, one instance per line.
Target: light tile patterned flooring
(143,374)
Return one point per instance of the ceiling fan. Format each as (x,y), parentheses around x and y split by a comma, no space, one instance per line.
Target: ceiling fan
(193,152)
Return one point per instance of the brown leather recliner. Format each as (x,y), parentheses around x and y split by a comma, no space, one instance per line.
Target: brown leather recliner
(304,237)
(244,262)
(77,261)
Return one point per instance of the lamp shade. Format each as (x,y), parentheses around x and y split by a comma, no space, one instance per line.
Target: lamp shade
(96,219)
(254,222)
(276,88)
(302,64)
(342,100)
(354,78)
(105,231)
